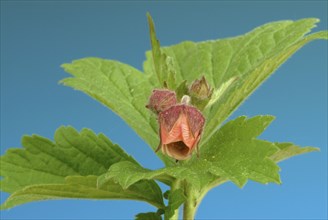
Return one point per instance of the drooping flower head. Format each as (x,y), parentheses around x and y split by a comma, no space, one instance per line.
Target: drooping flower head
(181,127)
(180,124)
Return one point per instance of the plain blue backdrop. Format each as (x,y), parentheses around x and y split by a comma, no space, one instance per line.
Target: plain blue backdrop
(38,36)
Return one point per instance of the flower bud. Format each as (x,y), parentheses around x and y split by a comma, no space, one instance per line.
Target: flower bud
(181,127)
(200,89)
(161,99)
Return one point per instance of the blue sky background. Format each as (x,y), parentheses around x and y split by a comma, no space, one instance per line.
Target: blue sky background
(37,37)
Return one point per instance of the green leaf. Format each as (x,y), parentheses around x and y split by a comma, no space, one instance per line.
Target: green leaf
(133,173)
(287,150)
(251,163)
(85,187)
(234,152)
(121,88)
(250,58)
(253,76)
(218,93)
(43,164)
(148,216)
(43,161)
(163,65)
(181,90)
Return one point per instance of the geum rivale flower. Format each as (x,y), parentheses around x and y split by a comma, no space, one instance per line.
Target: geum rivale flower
(181,127)
(181,124)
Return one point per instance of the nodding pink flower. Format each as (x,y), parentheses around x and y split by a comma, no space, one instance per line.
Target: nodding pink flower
(181,127)
(161,99)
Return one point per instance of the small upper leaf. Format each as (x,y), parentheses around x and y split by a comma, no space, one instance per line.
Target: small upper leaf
(121,88)
(163,65)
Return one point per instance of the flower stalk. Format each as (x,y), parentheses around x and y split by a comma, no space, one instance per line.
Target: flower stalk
(191,203)
(175,185)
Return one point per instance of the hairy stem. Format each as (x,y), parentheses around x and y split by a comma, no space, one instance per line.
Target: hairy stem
(194,198)
(190,206)
(175,185)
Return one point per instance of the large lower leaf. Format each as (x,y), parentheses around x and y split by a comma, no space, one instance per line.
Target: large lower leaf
(85,187)
(43,166)
(43,161)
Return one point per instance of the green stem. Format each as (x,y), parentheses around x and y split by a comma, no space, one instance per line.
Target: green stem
(190,206)
(194,198)
(175,185)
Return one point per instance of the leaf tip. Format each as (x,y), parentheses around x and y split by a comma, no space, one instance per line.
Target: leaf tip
(239,182)
(62,82)
(278,180)
(25,139)
(269,119)
(316,20)
(64,65)
(315,149)
(312,149)
(150,20)
(67,82)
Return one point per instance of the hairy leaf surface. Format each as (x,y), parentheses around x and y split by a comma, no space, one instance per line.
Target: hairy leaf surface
(43,168)
(85,187)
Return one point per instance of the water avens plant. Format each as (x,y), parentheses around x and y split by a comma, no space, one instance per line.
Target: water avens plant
(178,106)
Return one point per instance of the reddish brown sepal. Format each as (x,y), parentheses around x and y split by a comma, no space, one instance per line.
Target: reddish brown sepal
(181,127)
(161,99)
